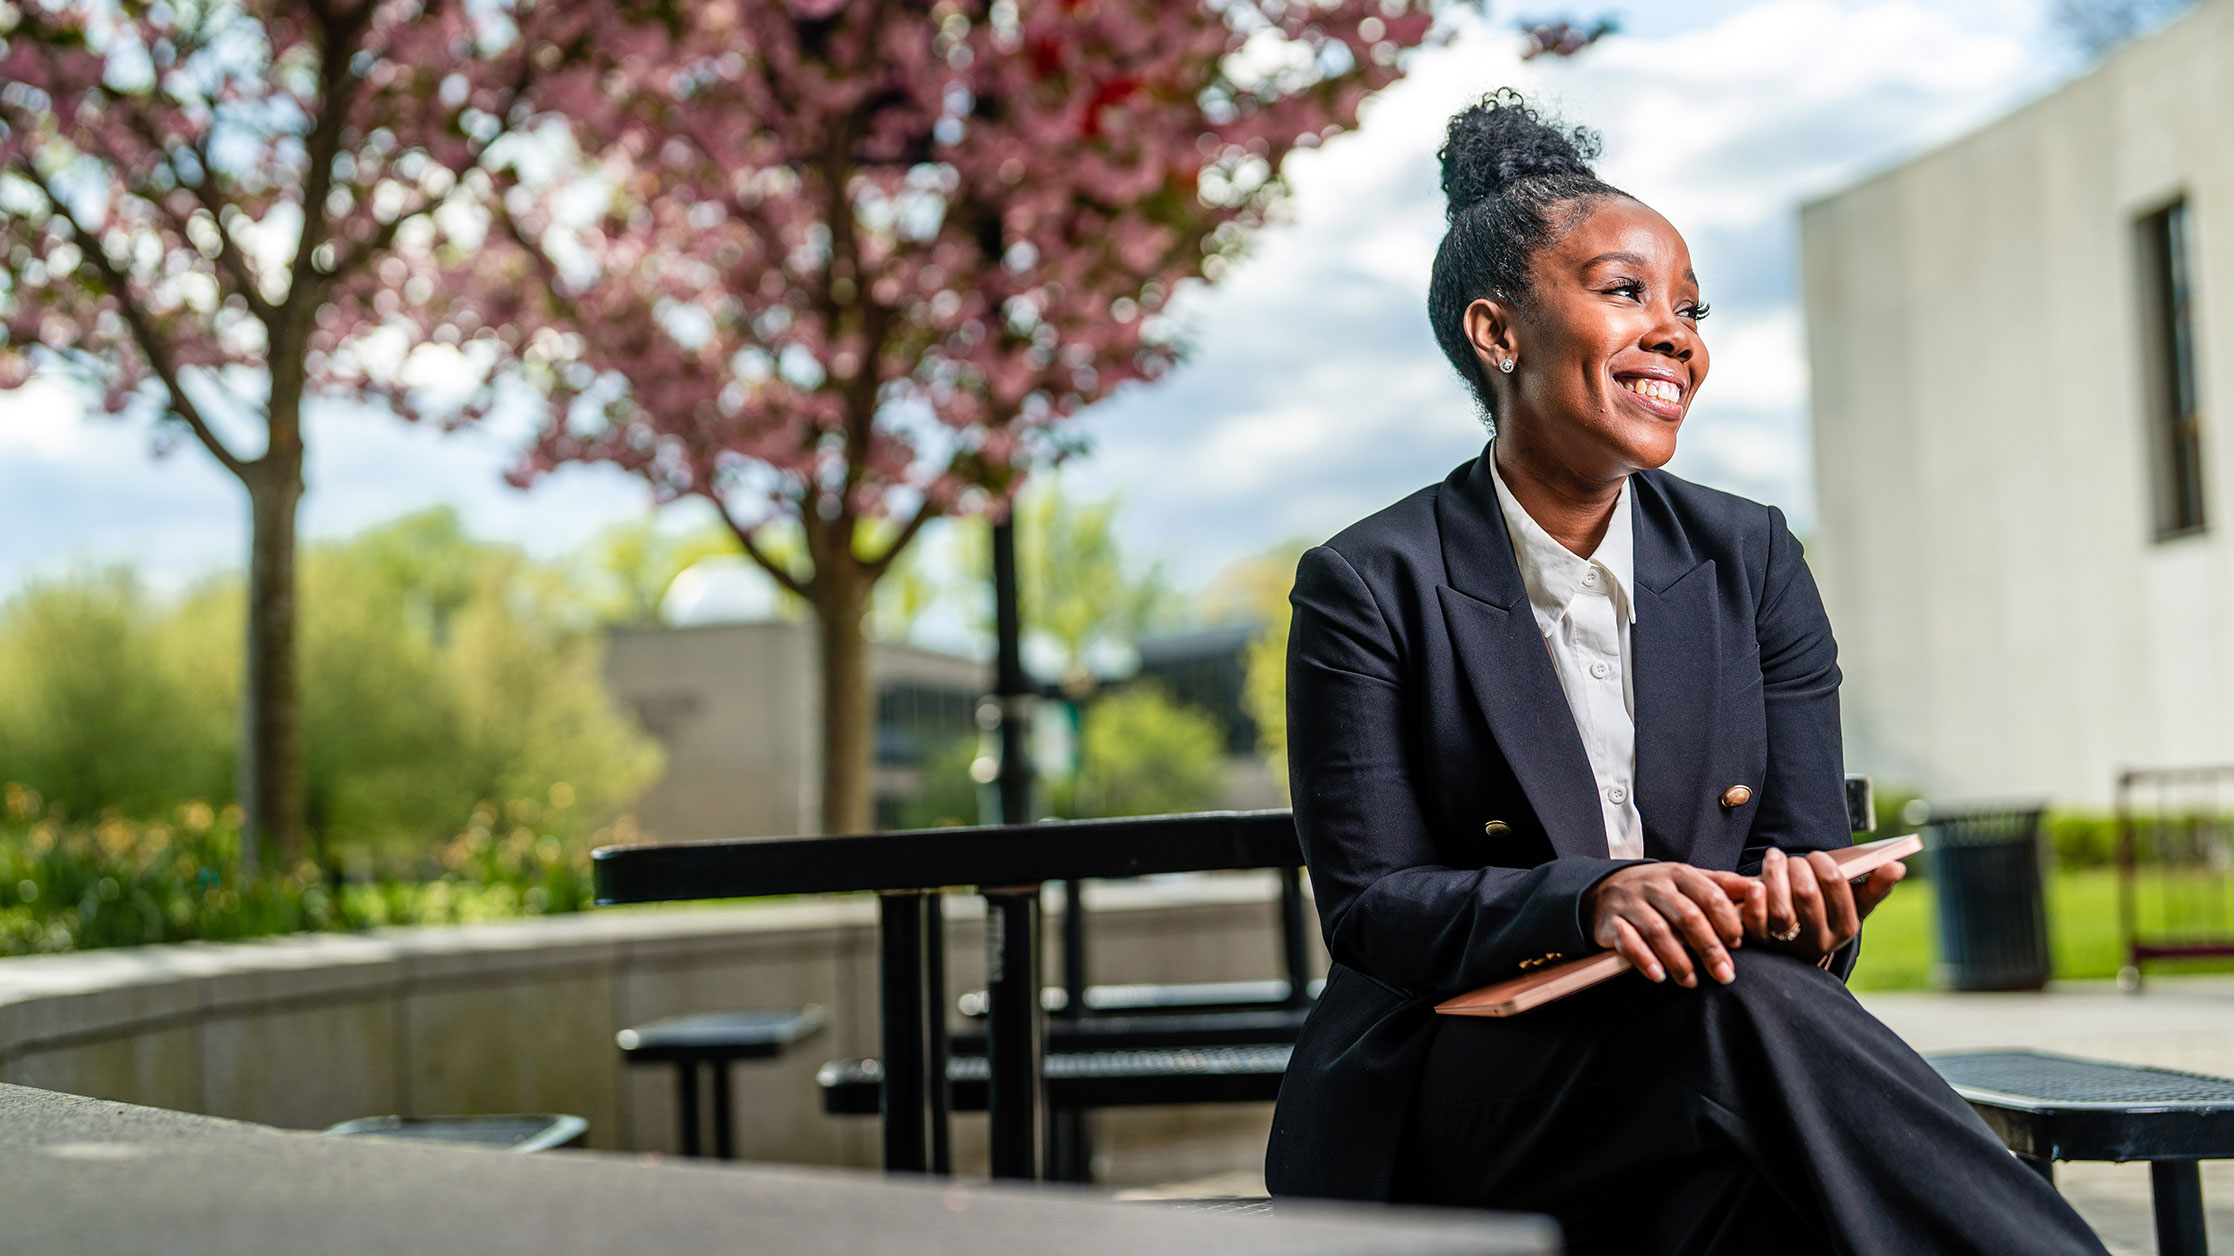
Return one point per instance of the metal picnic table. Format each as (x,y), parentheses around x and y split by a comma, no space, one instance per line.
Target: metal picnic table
(908,870)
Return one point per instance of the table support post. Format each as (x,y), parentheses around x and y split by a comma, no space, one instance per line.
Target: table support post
(1016,1092)
(686,1103)
(725,1132)
(942,1092)
(900,974)
(2177,1187)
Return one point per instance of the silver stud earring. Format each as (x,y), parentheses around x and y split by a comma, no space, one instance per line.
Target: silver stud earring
(1506,366)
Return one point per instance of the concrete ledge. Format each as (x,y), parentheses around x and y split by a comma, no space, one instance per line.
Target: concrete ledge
(78,1175)
(308,1030)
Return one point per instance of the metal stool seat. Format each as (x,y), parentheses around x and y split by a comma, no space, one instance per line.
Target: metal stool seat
(714,1040)
(524,1132)
(2048,1107)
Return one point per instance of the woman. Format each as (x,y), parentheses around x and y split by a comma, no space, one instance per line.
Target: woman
(1564,701)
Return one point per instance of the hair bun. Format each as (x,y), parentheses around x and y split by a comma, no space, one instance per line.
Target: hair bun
(1498,141)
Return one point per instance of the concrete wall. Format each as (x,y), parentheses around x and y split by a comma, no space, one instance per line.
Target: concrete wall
(738,710)
(2007,624)
(303,1032)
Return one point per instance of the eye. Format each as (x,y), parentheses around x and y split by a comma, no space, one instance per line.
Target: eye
(1697,311)
(1628,288)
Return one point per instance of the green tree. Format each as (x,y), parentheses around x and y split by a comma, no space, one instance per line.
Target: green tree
(1140,754)
(628,568)
(100,708)
(1255,590)
(1077,590)
(441,673)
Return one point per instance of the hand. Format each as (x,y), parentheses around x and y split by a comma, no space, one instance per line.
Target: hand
(1814,897)
(1660,914)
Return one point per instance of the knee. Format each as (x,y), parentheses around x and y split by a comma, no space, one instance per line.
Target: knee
(1769,983)
(1762,978)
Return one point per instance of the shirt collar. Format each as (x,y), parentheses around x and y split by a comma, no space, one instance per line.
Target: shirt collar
(1552,572)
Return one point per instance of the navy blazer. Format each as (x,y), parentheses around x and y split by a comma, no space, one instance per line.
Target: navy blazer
(1447,809)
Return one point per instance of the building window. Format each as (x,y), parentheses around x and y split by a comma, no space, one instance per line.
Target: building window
(2175,413)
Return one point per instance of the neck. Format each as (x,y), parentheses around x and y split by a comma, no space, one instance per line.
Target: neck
(1573,508)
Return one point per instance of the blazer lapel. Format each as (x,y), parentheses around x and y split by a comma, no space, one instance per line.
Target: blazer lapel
(1507,667)
(1675,668)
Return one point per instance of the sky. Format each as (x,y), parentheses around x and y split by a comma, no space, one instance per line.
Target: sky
(1313,393)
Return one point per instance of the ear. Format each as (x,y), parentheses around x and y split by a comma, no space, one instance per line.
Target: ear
(1489,328)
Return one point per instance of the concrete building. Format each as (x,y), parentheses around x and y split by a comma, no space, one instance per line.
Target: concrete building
(737,708)
(2022,347)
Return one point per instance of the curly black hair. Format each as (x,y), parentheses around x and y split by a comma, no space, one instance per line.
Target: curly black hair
(1515,182)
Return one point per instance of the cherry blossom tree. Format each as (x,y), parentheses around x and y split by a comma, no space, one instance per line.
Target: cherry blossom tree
(212,211)
(850,267)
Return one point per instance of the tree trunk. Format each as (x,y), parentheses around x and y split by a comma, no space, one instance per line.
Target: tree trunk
(271,792)
(841,603)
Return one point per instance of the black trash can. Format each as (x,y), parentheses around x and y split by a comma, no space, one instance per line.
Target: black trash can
(1985,864)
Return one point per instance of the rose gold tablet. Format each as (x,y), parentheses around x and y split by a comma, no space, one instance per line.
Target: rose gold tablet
(1508,998)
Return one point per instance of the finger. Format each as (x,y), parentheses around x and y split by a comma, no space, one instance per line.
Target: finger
(1777,884)
(1720,911)
(1880,883)
(1666,944)
(1807,906)
(1838,899)
(1692,927)
(1633,948)
(1753,910)
(1746,897)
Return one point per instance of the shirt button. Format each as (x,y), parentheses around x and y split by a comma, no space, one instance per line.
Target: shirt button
(1590,576)
(1599,670)
(1616,795)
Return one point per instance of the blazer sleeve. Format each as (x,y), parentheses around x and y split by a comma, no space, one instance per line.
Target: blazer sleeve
(1803,798)
(1389,905)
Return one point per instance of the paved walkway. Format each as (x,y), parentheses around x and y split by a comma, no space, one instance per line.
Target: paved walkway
(2183,1023)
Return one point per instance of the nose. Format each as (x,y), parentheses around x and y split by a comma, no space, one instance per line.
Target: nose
(1672,337)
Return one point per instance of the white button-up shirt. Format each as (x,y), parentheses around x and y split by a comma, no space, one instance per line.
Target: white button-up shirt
(1584,607)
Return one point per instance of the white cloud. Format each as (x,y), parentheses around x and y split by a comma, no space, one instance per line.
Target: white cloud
(1761,363)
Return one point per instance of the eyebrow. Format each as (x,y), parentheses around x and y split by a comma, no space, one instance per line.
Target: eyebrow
(1634,259)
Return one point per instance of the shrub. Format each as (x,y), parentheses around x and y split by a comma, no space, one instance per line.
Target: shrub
(68,886)
(1141,753)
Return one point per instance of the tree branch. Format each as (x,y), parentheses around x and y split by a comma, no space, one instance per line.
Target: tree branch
(883,562)
(144,332)
(229,254)
(386,235)
(229,257)
(323,144)
(776,571)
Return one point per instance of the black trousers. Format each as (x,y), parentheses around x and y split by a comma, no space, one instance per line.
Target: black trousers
(1771,1115)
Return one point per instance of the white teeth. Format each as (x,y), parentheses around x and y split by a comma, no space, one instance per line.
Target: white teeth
(1657,389)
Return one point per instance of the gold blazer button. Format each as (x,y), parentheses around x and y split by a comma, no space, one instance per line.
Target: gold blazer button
(1496,828)
(1736,796)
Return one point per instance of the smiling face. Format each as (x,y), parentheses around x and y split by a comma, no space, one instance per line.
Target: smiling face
(1606,351)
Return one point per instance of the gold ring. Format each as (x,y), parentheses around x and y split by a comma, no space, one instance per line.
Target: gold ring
(1788,934)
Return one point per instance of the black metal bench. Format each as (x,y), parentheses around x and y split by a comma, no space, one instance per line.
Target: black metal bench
(1274,1027)
(1088,1079)
(714,1041)
(2048,1107)
(1150,1000)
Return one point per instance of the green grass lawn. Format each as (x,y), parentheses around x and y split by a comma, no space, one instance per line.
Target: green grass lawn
(1900,944)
